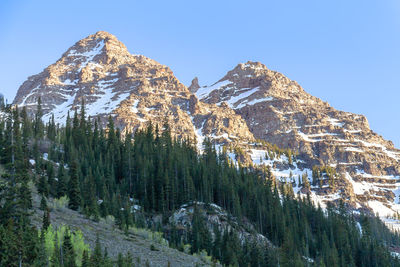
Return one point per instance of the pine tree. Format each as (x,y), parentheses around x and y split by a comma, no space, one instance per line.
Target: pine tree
(306,182)
(68,254)
(51,179)
(57,253)
(46,219)
(73,187)
(85,259)
(43,186)
(96,258)
(62,181)
(43,203)
(38,127)
(42,259)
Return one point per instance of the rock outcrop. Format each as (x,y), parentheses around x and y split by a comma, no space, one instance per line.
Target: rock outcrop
(214,217)
(194,86)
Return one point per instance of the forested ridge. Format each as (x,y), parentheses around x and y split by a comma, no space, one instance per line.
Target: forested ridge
(103,173)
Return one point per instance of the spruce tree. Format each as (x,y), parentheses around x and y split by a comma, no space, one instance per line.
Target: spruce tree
(38,124)
(46,220)
(96,259)
(85,259)
(43,186)
(42,259)
(43,203)
(73,187)
(62,180)
(68,254)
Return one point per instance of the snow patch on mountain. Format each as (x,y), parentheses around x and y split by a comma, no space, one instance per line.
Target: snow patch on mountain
(361,187)
(33,91)
(134,106)
(61,111)
(88,55)
(380,208)
(253,102)
(389,153)
(354,149)
(69,82)
(335,122)
(204,92)
(234,101)
(310,137)
(293,175)
(199,134)
(106,102)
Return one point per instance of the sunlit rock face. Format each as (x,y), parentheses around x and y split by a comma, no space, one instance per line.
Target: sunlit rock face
(100,72)
(278,110)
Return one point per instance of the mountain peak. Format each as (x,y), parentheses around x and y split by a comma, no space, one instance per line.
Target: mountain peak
(92,69)
(252,73)
(252,82)
(103,34)
(99,37)
(99,43)
(247,70)
(252,65)
(100,71)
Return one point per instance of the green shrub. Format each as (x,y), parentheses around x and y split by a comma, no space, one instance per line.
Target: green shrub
(110,220)
(203,255)
(55,236)
(59,203)
(156,237)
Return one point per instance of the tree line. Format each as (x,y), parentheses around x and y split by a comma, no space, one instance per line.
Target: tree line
(106,174)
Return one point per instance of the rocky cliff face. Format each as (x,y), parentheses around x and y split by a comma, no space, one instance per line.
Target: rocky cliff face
(133,89)
(249,104)
(278,110)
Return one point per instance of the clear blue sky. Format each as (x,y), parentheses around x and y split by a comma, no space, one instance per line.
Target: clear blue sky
(345,52)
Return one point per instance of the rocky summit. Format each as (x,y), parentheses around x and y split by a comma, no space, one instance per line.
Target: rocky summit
(247,111)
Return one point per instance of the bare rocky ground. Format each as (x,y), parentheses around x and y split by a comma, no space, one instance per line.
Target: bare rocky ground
(115,240)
